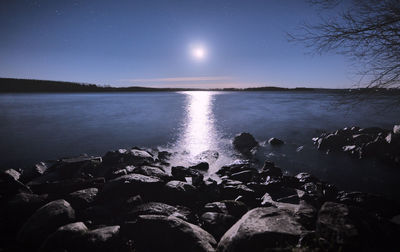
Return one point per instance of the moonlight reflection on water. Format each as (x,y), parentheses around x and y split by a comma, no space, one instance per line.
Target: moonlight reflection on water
(199,134)
(200,138)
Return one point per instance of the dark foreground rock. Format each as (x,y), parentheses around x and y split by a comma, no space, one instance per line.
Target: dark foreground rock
(45,221)
(261,229)
(63,237)
(161,233)
(131,200)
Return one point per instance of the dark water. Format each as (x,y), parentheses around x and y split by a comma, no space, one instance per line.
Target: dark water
(36,127)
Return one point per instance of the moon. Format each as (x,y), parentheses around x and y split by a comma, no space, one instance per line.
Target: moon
(199,53)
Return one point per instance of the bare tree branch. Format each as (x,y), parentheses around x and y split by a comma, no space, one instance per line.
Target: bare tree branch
(368,32)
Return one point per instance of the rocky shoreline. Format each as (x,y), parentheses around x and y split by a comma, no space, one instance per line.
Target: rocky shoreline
(131,200)
(362,143)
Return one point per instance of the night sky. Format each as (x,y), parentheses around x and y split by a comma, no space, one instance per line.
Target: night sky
(165,43)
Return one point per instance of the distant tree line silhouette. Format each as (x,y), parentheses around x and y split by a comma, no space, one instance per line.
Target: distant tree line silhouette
(10,85)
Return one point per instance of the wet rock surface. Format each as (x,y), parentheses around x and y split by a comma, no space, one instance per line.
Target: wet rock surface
(131,200)
(244,143)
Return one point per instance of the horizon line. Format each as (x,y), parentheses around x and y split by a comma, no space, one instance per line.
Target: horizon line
(192,88)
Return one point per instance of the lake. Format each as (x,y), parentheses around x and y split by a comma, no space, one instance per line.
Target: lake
(38,127)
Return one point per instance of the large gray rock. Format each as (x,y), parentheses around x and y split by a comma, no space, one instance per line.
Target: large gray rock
(158,208)
(75,167)
(153,171)
(82,198)
(102,239)
(179,192)
(161,233)
(261,229)
(244,142)
(45,221)
(62,238)
(134,156)
(232,191)
(130,185)
(289,200)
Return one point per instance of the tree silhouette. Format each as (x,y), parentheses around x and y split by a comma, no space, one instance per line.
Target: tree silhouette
(368,31)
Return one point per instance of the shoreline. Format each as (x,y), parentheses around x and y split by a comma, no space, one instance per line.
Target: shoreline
(128,200)
(31,86)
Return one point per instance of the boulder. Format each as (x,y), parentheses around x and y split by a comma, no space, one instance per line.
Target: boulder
(229,207)
(45,221)
(360,139)
(134,156)
(34,171)
(372,130)
(227,170)
(261,229)
(13,173)
(100,239)
(203,166)
(245,176)
(62,238)
(269,169)
(179,192)
(275,141)
(161,233)
(209,191)
(331,142)
(304,177)
(75,167)
(216,223)
(130,185)
(82,198)
(158,208)
(153,171)
(63,187)
(9,186)
(289,199)
(244,143)
(232,191)
(181,173)
(282,194)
